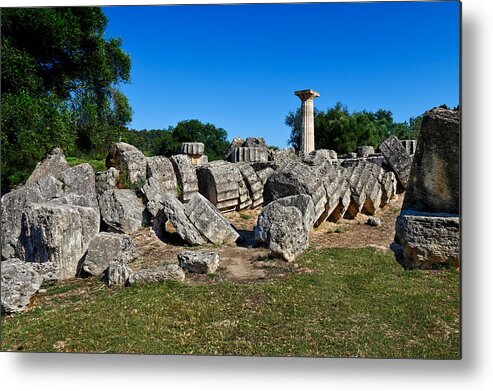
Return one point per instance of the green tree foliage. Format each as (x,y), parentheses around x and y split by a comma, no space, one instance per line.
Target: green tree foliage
(342,131)
(168,142)
(59,78)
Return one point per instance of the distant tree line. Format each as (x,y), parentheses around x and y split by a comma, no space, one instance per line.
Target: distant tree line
(168,141)
(343,131)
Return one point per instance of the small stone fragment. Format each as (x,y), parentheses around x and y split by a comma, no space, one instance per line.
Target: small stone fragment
(199,261)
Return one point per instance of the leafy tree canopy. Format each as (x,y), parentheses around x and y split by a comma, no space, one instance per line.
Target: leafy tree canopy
(168,142)
(342,131)
(59,78)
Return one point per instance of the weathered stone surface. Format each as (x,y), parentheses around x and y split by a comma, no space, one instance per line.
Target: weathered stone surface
(434,183)
(129,160)
(19,283)
(338,194)
(365,151)
(122,210)
(253,183)
(237,142)
(263,175)
(157,274)
(297,178)
(320,156)
(282,157)
(80,181)
(57,233)
(249,154)
(118,273)
(255,142)
(161,178)
(161,170)
(173,210)
(209,221)
(13,204)
(106,180)
(106,247)
(48,270)
(397,158)
(201,262)
(304,204)
(53,164)
(219,183)
(389,187)
(282,229)
(192,148)
(186,176)
(426,240)
(244,200)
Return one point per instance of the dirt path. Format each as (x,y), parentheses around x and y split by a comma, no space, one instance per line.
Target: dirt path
(247,263)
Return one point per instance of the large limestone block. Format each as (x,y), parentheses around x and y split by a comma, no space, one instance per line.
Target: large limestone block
(161,170)
(426,240)
(129,160)
(13,204)
(186,176)
(106,180)
(397,158)
(80,181)
(253,183)
(106,247)
(53,164)
(304,204)
(294,179)
(122,210)
(157,274)
(19,284)
(434,183)
(282,229)
(170,208)
(219,183)
(57,233)
(338,194)
(209,221)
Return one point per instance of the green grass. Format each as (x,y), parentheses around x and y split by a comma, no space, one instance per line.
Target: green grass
(96,164)
(354,303)
(244,216)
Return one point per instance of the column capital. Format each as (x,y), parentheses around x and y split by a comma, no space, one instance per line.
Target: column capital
(307,94)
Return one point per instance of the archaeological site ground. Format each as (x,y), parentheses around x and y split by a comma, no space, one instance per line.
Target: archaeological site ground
(189,240)
(263,253)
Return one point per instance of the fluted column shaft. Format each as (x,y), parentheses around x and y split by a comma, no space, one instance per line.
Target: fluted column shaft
(307,137)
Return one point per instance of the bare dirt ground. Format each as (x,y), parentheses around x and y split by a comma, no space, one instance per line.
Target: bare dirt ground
(247,263)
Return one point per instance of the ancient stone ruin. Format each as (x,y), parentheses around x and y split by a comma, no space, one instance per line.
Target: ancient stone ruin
(68,222)
(427,230)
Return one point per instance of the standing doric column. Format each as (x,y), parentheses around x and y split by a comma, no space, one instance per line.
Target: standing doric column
(307,137)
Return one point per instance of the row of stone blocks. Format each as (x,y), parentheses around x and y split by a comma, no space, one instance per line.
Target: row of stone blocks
(337,192)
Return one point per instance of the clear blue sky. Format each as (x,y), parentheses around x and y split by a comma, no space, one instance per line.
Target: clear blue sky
(237,66)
